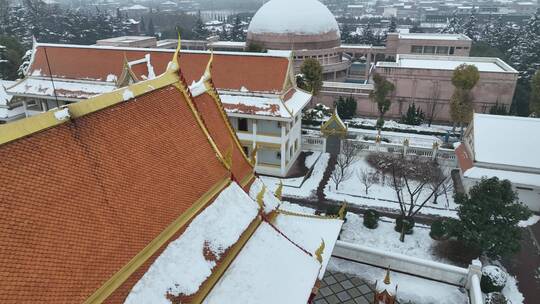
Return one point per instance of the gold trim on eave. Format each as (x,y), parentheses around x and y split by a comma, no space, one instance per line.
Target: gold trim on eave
(123,274)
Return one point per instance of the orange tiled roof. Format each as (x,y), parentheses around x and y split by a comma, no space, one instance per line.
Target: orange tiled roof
(81,199)
(231,71)
(225,139)
(464,161)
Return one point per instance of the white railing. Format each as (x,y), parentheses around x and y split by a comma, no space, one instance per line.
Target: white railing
(475,292)
(313,143)
(440,153)
(403,263)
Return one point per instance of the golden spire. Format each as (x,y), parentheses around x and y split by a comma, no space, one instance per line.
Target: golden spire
(341,212)
(253,158)
(387,277)
(279,190)
(260,197)
(175,63)
(208,70)
(319,252)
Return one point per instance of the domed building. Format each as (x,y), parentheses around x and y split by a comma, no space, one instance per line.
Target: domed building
(306,27)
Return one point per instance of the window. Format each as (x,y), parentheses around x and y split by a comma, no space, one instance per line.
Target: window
(458,48)
(242,124)
(451,50)
(278,155)
(246,150)
(429,49)
(442,50)
(416,49)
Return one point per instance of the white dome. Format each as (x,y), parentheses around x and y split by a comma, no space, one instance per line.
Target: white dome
(300,17)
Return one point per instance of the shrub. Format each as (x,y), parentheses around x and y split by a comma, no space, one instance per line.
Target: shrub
(374,138)
(439,230)
(495,298)
(346,107)
(493,279)
(407,221)
(371,218)
(414,116)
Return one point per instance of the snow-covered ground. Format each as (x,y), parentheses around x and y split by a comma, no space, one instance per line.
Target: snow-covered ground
(298,187)
(392,124)
(415,140)
(383,195)
(384,237)
(410,288)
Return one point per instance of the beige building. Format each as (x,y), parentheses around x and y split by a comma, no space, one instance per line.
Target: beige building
(427,81)
(428,44)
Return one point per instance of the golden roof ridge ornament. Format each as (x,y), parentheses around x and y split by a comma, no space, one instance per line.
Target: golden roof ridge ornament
(175,66)
(279,190)
(342,210)
(260,197)
(387,276)
(319,252)
(253,158)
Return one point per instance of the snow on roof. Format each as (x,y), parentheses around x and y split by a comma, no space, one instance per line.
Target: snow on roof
(507,140)
(4,97)
(270,201)
(308,232)
(182,267)
(424,36)
(254,105)
(135,7)
(297,101)
(530,179)
(269,269)
(65,89)
(293,17)
(484,64)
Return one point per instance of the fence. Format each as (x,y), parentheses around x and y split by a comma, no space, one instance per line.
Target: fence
(463,277)
(313,143)
(439,153)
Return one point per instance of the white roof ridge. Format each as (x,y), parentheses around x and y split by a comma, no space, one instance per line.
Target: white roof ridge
(507,117)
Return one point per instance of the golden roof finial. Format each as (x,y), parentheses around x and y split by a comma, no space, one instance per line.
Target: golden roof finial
(176,65)
(260,197)
(387,277)
(228,157)
(208,70)
(341,212)
(279,190)
(253,158)
(319,252)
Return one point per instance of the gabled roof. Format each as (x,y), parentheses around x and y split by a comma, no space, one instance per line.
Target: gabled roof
(506,140)
(84,196)
(232,71)
(334,125)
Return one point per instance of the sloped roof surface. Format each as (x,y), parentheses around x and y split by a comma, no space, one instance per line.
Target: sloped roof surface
(80,200)
(255,72)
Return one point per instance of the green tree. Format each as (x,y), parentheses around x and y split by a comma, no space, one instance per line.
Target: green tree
(414,116)
(10,57)
(346,107)
(380,95)
(534,102)
(464,79)
(489,217)
(311,71)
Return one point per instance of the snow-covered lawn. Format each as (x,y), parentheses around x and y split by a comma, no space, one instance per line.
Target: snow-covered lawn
(392,124)
(410,288)
(382,195)
(384,237)
(298,187)
(415,140)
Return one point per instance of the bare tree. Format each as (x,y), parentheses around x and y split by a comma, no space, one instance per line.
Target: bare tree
(368,178)
(347,157)
(414,194)
(433,107)
(440,189)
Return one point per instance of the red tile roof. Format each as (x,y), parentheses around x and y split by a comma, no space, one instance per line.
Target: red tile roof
(464,160)
(81,199)
(225,139)
(231,71)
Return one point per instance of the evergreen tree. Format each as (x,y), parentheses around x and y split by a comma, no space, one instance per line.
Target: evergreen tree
(489,217)
(464,79)
(199,30)
(224,33)
(525,54)
(414,116)
(534,102)
(237,31)
(311,71)
(470,27)
(380,95)
(346,107)
(151,30)
(392,27)
(368,37)
(346,33)
(454,25)
(415,29)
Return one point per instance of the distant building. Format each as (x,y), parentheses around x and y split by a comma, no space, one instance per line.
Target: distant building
(9,111)
(258,91)
(129,41)
(506,147)
(427,81)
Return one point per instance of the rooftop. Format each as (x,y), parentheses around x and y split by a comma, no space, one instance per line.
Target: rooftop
(484,64)
(506,140)
(425,36)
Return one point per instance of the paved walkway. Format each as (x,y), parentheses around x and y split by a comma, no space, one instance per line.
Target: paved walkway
(337,287)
